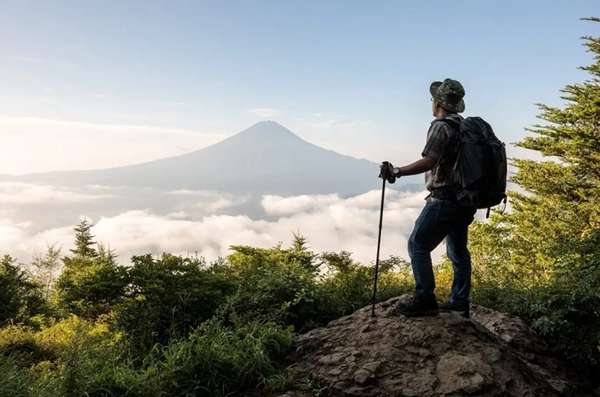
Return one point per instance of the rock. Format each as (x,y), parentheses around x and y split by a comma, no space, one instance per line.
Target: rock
(372,366)
(459,373)
(334,358)
(528,346)
(490,355)
(362,376)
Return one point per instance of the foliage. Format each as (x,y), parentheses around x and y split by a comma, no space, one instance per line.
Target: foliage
(217,361)
(76,357)
(348,285)
(274,284)
(14,382)
(90,286)
(84,240)
(45,268)
(67,358)
(167,297)
(542,259)
(20,296)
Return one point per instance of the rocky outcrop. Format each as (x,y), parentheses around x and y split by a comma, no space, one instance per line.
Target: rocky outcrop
(490,354)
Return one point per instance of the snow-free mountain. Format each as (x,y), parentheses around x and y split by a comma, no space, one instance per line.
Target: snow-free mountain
(266,158)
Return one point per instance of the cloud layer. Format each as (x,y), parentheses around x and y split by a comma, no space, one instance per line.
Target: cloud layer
(329,222)
(26,193)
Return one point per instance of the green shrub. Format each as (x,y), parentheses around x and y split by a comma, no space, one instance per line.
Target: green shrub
(274,284)
(20,297)
(14,381)
(70,357)
(90,286)
(219,361)
(347,286)
(167,297)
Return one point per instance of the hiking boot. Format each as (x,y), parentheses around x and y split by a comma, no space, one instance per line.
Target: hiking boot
(458,307)
(417,306)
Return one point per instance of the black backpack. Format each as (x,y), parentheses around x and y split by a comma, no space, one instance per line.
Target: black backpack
(480,168)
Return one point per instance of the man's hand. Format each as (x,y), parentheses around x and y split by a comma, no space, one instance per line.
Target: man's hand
(388,172)
(391,173)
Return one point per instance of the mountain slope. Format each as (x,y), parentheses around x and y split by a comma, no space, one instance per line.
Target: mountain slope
(266,158)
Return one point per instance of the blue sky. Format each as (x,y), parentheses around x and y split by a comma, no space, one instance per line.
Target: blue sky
(93,84)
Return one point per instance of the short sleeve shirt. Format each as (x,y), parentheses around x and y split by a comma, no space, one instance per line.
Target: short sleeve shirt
(442,147)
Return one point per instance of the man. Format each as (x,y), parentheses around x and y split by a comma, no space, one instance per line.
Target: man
(442,217)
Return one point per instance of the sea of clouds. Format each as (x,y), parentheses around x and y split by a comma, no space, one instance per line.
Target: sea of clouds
(32,217)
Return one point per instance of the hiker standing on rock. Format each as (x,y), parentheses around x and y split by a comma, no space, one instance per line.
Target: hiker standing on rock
(442,217)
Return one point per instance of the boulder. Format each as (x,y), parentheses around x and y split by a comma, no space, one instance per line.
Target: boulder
(491,354)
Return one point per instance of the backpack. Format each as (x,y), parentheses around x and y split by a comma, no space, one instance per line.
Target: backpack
(479,171)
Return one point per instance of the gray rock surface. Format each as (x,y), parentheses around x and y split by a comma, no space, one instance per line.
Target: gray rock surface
(491,354)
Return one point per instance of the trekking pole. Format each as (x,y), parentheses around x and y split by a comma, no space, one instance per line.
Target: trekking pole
(376,273)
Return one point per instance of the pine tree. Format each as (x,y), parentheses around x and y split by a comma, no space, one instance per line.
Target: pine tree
(46,267)
(560,216)
(302,253)
(542,258)
(91,281)
(84,240)
(107,254)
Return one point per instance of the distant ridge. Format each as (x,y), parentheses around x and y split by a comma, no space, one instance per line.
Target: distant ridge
(266,158)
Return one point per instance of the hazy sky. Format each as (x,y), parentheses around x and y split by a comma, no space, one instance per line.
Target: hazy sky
(101,83)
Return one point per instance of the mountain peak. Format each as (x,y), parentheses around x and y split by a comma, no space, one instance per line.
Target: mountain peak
(268,123)
(267,129)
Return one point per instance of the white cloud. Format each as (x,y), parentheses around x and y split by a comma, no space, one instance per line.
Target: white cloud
(17,239)
(196,193)
(277,205)
(328,222)
(265,112)
(25,193)
(210,201)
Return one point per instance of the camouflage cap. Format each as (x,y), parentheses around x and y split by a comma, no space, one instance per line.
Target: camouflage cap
(449,94)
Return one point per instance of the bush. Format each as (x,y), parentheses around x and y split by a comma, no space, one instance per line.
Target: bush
(70,357)
(272,285)
(14,382)
(292,286)
(20,297)
(219,361)
(167,297)
(90,286)
(347,286)
(75,357)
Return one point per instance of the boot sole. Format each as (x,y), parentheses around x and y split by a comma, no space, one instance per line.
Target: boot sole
(425,313)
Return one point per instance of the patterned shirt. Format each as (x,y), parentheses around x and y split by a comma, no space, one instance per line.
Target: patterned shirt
(441,146)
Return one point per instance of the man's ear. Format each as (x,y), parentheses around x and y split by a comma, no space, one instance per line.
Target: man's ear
(437,106)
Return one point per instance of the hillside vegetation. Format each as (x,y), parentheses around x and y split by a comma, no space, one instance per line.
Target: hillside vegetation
(83,324)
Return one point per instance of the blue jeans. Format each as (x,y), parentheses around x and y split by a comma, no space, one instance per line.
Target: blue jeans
(439,219)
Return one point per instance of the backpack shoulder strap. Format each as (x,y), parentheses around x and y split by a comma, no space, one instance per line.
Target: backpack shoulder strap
(452,122)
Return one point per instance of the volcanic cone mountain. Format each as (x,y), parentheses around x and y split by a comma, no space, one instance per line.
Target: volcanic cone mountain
(266,158)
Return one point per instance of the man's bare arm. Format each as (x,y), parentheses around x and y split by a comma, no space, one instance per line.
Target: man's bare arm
(424,164)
